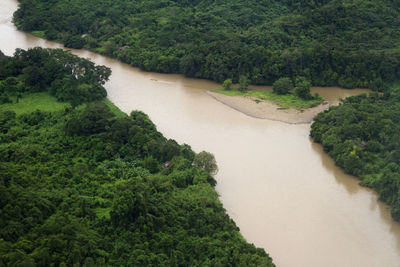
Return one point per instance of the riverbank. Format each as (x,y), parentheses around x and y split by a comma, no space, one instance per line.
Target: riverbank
(265,109)
(95,147)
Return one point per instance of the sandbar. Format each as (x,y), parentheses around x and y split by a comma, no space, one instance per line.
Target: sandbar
(268,110)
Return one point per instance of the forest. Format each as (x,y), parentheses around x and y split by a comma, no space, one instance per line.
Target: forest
(362,135)
(84,184)
(329,42)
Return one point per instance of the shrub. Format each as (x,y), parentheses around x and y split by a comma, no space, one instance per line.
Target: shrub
(282,86)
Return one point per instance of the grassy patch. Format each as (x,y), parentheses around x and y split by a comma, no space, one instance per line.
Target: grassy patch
(99,50)
(33,101)
(284,101)
(45,102)
(40,34)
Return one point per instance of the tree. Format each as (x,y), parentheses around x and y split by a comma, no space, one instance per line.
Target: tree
(74,41)
(7,118)
(243,83)
(10,85)
(282,86)
(4,98)
(302,88)
(151,164)
(94,119)
(227,84)
(35,77)
(206,161)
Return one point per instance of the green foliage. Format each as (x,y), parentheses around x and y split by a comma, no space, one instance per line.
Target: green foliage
(243,83)
(303,88)
(330,42)
(114,109)
(362,136)
(284,101)
(74,41)
(206,161)
(282,86)
(94,119)
(40,34)
(28,103)
(88,187)
(227,84)
(151,164)
(63,75)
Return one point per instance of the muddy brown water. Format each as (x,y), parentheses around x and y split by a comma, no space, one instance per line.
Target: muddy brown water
(282,190)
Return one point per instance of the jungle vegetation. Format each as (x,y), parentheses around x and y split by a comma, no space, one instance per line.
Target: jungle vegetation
(329,42)
(83,184)
(284,93)
(362,135)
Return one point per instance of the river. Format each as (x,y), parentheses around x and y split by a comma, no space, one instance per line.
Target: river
(282,190)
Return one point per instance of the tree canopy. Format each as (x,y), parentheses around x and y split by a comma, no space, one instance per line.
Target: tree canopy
(329,42)
(362,135)
(302,88)
(282,86)
(207,162)
(62,74)
(86,186)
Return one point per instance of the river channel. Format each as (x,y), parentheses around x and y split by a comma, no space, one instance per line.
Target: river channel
(282,190)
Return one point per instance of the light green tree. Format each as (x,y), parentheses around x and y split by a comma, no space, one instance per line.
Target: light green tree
(206,161)
(227,84)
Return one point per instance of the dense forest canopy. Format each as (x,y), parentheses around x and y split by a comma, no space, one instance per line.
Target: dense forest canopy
(63,75)
(330,42)
(84,185)
(363,136)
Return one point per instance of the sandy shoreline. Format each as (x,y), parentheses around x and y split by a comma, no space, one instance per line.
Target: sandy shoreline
(268,110)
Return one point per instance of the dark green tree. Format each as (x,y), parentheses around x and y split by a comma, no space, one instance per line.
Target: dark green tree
(282,86)
(243,83)
(303,87)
